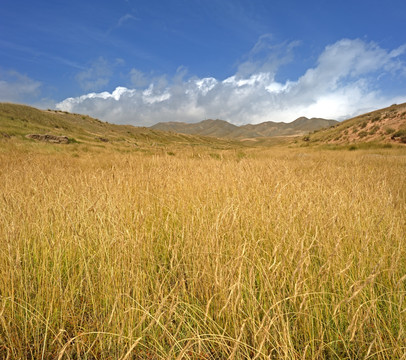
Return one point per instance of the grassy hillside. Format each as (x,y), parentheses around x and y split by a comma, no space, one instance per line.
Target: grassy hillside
(215,128)
(386,125)
(17,121)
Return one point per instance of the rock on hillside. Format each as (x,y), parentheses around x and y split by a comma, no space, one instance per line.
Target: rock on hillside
(49,138)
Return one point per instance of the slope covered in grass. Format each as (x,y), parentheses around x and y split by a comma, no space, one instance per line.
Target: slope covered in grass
(17,121)
(386,125)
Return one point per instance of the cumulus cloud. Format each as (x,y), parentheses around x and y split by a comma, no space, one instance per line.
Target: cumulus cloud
(16,87)
(343,83)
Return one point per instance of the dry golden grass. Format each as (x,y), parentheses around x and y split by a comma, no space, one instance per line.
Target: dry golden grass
(277,255)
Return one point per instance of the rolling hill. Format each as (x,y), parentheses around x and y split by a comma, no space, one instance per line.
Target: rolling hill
(28,124)
(386,125)
(221,128)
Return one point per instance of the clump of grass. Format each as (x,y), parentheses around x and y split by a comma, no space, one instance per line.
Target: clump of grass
(373,130)
(215,156)
(401,134)
(241,155)
(274,255)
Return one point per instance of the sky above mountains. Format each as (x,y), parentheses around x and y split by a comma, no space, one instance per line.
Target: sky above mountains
(244,61)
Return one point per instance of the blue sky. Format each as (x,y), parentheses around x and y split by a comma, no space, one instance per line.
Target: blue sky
(245,61)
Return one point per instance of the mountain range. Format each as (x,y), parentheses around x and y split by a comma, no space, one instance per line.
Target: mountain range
(221,128)
(20,123)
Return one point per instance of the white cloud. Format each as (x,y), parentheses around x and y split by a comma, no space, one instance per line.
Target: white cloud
(16,87)
(343,83)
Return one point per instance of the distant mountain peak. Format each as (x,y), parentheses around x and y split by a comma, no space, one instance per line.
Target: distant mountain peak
(222,128)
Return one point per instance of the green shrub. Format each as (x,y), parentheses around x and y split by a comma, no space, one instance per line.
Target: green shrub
(373,130)
(399,133)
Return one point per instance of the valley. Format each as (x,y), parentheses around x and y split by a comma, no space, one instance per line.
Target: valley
(135,243)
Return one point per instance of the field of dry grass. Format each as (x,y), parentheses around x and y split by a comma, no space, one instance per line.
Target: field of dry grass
(279,254)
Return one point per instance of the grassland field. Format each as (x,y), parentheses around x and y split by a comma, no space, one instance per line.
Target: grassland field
(277,253)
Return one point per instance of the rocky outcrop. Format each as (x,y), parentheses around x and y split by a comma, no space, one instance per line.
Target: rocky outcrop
(49,138)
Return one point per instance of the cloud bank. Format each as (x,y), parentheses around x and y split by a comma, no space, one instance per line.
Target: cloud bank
(344,82)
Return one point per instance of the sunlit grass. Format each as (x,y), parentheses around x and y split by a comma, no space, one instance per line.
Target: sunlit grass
(282,254)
